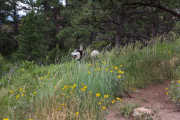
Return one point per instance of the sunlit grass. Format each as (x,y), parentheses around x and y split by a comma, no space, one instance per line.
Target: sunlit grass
(74,87)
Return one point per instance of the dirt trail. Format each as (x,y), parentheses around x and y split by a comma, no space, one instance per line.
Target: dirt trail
(153,97)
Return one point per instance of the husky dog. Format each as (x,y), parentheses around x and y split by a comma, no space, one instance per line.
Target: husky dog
(95,53)
(77,54)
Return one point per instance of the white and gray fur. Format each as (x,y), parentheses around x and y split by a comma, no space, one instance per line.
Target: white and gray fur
(77,54)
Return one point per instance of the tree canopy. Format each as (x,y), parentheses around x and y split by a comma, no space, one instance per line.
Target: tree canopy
(51,28)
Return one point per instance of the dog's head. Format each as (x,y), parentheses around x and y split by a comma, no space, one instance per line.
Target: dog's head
(76,54)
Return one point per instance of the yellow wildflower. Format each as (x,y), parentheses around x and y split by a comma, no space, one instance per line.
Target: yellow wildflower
(20,89)
(167,93)
(98,94)
(119,99)
(106,96)
(77,113)
(119,76)
(30,119)
(85,86)
(17,96)
(83,89)
(103,107)
(166,88)
(99,103)
(22,94)
(115,67)
(59,109)
(74,86)
(178,81)
(62,104)
(11,91)
(120,72)
(111,71)
(65,87)
(5,119)
(89,72)
(113,101)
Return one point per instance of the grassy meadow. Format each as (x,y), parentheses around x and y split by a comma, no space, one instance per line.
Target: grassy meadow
(84,90)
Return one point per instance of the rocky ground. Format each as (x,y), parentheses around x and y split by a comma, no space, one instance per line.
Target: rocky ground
(154,98)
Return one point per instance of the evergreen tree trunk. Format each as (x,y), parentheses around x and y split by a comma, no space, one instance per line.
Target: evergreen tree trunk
(15,17)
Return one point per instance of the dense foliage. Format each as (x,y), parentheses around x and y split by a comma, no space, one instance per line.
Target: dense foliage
(49,29)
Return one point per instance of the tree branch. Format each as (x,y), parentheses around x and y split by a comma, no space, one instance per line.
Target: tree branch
(174,13)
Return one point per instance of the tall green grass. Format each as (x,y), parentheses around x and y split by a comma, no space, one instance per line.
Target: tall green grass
(5,66)
(83,90)
(31,84)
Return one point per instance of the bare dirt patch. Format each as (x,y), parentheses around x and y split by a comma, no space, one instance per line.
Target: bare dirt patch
(153,97)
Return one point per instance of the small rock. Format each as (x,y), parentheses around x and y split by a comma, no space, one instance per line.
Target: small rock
(140,111)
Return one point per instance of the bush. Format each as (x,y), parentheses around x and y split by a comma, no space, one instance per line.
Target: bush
(174,92)
(174,89)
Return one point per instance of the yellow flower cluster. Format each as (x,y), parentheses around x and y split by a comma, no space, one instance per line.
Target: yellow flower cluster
(106,96)
(117,99)
(103,107)
(167,93)
(118,71)
(103,100)
(19,92)
(77,114)
(65,87)
(113,101)
(83,89)
(98,94)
